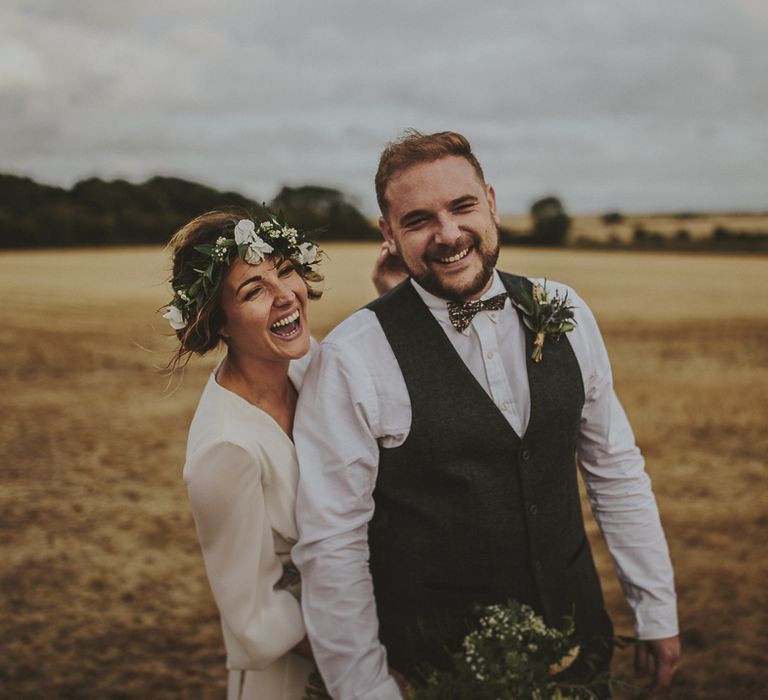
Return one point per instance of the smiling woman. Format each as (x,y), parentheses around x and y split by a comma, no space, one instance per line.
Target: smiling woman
(246,285)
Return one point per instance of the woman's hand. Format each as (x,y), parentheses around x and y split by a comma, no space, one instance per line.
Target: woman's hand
(388,270)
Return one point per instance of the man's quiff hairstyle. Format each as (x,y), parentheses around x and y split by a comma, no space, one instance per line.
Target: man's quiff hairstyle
(412,148)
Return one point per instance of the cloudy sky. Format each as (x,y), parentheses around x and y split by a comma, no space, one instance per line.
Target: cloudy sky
(638,105)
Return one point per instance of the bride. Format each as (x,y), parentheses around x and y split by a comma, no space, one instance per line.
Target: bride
(246,284)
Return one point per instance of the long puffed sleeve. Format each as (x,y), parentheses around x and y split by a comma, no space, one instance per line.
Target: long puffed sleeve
(260,623)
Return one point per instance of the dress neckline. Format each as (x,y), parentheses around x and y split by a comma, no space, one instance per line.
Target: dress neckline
(244,402)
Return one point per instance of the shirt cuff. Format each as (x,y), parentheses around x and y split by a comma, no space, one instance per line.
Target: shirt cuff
(657,621)
(387,690)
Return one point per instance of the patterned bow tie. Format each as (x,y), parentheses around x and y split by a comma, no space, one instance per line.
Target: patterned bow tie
(461,314)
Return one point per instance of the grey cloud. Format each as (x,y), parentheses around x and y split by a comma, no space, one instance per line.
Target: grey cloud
(621,104)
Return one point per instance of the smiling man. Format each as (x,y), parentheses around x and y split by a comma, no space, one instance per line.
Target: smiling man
(438,458)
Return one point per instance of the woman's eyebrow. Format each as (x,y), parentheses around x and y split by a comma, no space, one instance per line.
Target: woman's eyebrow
(255,278)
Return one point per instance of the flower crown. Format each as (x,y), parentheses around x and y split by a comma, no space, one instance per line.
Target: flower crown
(249,242)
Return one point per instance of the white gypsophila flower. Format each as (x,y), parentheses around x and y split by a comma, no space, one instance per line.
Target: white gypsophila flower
(307,253)
(245,231)
(174,316)
(266,225)
(257,249)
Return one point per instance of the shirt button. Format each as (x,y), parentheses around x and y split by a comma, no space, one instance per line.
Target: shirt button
(533,509)
(526,455)
(537,566)
(504,406)
(490,354)
(493,316)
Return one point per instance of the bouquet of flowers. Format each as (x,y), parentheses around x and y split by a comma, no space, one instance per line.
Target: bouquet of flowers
(511,654)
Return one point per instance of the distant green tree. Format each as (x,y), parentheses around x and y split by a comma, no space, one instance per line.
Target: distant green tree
(612,217)
(550,222)
(315,207)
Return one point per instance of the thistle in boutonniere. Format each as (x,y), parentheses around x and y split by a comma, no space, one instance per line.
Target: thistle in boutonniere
(545,316)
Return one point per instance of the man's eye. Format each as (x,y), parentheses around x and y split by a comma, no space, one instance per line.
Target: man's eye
(416,223)
(467,206)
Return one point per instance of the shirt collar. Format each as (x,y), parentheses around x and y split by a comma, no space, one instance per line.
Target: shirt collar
(439,306)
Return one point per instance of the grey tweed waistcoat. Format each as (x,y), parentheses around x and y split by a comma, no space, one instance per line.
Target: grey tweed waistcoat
(467,512)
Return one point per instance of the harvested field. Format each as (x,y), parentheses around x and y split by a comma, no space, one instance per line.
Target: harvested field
(102,588)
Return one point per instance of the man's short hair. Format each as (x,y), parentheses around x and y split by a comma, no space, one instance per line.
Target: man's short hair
(412,148)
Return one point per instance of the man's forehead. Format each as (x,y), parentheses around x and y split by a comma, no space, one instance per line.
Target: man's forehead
(434,182)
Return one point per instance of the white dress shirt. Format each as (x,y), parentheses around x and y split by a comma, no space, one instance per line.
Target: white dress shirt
(354,400)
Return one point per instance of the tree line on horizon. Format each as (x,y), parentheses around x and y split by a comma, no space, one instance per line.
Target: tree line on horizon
(96,212)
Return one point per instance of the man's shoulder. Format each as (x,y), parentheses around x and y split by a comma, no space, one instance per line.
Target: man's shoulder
(360,327)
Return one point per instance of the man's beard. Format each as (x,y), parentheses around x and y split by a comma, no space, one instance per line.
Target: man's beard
(430,280)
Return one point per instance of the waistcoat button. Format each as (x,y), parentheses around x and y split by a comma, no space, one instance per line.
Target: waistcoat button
(533,509)
(526,455)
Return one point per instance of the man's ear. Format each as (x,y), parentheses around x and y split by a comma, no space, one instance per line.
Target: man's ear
(386,231)
(491,196)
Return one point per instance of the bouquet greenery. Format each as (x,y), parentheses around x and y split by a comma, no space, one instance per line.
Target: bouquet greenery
(510,655)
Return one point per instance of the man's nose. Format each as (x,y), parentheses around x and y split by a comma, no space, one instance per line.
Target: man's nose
(447,230)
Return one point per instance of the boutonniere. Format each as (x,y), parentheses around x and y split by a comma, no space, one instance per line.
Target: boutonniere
(545,316)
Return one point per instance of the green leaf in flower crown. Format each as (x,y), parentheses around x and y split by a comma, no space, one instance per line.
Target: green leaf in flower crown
(204,248)
(209,272)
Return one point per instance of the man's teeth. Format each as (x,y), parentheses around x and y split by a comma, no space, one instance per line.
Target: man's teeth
(285,321)
(461,254)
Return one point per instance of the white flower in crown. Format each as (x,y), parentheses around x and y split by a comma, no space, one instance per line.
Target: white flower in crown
(307,254)
(174,316)
(245,231)
(257,249)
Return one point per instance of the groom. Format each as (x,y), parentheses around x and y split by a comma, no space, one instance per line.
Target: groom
(438,459)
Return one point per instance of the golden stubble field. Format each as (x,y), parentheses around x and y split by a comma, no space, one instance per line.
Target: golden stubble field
(102,588)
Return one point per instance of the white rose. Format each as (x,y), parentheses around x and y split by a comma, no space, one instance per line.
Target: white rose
(257,249)
(244,231)
(307,253)
(174,317)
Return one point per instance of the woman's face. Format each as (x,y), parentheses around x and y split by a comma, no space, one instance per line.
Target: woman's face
(266,310)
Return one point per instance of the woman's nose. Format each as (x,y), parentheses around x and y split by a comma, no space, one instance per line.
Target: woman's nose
(284,294)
